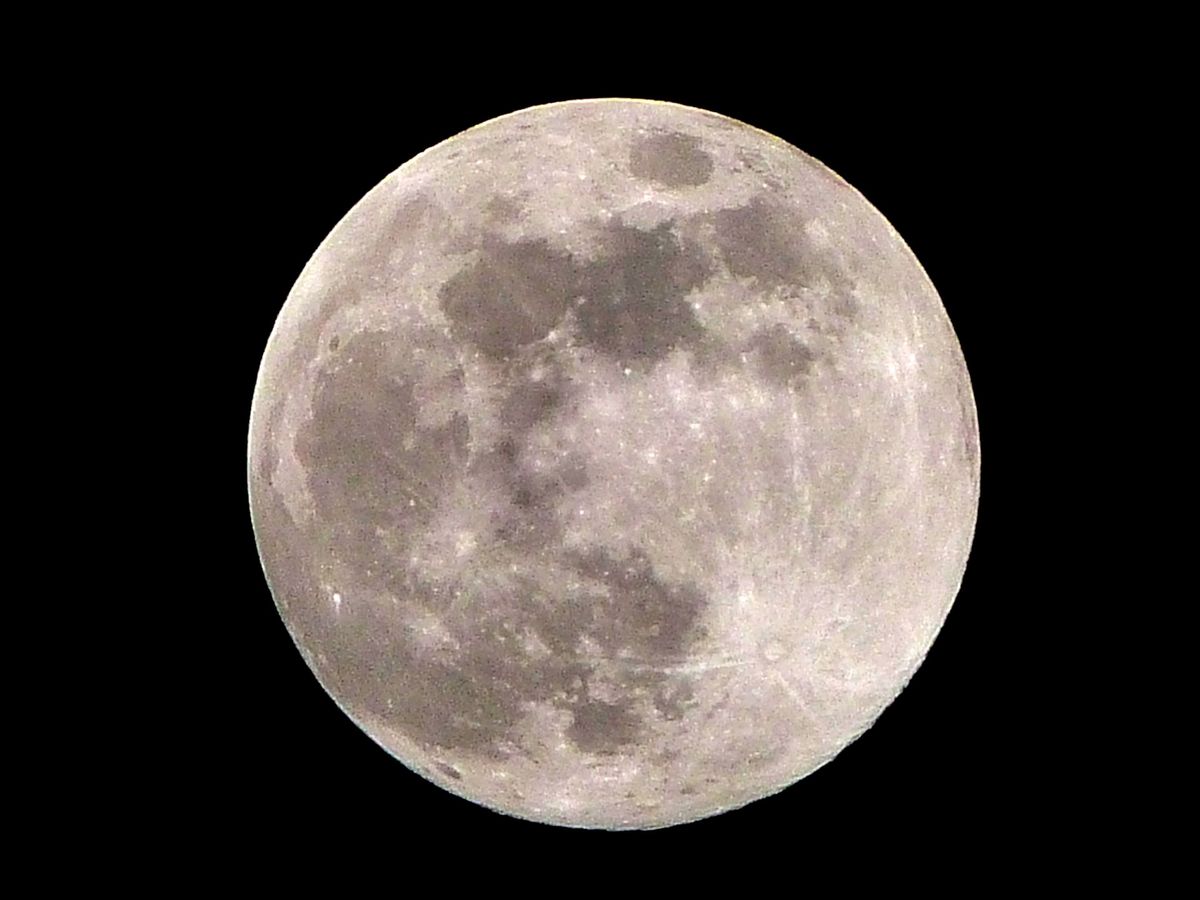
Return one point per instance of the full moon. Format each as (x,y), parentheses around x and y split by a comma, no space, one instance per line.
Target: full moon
(613,464)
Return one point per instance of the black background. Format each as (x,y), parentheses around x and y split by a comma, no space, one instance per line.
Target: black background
(964,755)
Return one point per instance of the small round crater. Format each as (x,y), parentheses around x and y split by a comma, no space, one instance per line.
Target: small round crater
(335,342)
(774,650)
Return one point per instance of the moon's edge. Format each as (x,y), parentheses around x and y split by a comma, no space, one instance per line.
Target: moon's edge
(443,783)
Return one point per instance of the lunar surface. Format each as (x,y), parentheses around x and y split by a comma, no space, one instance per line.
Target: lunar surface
(613,464)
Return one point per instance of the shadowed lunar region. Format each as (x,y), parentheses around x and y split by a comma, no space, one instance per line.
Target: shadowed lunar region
(613,464)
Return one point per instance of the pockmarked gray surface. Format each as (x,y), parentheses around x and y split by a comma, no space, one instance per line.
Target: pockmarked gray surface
(613,464)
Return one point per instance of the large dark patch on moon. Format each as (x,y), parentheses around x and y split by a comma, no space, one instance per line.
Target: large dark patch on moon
(628,301)
(613,465)
(672,159)
(378,470)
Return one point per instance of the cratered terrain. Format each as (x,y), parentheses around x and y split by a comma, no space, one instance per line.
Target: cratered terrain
(613,464)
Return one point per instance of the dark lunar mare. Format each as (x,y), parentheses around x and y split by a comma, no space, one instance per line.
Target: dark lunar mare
(373,468)
(670,158)
(629,302)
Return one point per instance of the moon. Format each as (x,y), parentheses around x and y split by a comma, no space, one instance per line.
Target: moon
(613,464)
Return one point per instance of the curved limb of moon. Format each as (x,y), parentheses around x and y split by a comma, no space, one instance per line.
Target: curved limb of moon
(613,464)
